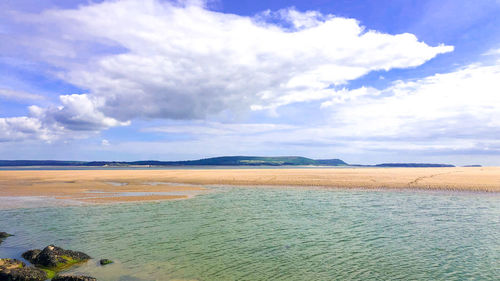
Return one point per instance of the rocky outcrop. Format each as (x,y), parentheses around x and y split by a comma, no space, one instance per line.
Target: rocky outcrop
(47,263)
(73,278)
(54,257)
(16,270)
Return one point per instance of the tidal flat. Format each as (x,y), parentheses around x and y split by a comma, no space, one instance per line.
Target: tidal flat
(108,185)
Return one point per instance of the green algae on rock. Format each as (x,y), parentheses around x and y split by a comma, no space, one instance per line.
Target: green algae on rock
(54,258)
(105,261)
(47,263)
(50,273)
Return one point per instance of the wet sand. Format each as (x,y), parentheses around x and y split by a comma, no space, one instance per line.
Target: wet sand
(104,186)
(116,199)
(91,186)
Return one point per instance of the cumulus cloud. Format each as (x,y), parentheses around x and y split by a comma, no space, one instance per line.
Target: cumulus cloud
(20,128)
(76,113)
(180,60)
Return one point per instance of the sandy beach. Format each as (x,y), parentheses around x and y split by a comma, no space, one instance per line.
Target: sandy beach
(105,186)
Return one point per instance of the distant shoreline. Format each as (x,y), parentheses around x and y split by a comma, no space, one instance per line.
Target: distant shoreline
(223,161)
(188,167)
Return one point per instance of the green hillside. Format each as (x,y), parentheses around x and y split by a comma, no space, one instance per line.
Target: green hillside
(258,161)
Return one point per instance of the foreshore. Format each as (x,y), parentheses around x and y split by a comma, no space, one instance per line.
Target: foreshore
(108,185)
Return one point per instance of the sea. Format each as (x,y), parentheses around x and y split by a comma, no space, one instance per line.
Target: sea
(238,233)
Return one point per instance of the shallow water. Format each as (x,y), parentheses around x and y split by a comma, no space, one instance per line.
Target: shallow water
(275,234)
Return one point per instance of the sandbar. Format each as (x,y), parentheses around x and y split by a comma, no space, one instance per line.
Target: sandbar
(104,186)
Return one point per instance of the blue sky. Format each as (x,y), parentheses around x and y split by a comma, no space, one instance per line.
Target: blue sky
(364,81)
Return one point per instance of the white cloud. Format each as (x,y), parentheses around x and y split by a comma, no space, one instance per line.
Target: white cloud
(344,95)
(492,52)
(77,113)
(460,104)
(19,128)
(182,61)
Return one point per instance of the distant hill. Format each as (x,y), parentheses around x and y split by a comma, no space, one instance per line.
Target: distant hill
(413,165)
(330,162)
(251,161)
(216,161)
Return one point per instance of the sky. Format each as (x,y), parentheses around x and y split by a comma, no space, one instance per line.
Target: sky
(364,81)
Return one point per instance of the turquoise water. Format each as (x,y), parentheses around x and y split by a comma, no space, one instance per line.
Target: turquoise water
(276,234)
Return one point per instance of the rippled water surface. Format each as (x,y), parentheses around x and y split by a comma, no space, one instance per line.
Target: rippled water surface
(275,234)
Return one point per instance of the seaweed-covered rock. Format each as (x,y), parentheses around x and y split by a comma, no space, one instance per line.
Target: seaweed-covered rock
(73,278)
(105,261)
(16,270)
(4,235)
(54,257)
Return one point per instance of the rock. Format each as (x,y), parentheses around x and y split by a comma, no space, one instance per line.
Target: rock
(11,263)
(73,278)
(31,255)
(16,270)
(105,261)
(4,235)
(54,257)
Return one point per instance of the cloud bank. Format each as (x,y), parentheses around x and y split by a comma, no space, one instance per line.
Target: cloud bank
(455,113)
(181,61)
(461,104)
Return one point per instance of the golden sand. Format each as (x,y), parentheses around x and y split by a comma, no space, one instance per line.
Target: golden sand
(90,186)
(86,185)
